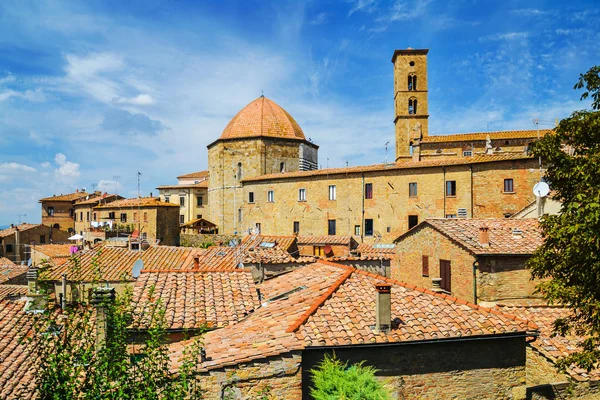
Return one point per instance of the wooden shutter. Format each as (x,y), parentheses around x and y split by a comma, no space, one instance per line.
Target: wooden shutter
(446,275)
(425,265)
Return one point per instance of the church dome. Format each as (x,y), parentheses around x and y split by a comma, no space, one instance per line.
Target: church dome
(263,118)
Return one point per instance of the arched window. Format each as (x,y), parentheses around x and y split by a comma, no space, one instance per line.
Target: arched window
(282,167)
(412,106)
(412,82)
(239,171)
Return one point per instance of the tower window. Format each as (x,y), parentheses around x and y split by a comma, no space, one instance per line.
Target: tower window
(412,82)
(412,106)
(239,171)
(282,167)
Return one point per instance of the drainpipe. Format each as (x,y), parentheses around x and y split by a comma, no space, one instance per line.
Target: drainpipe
(17,245)
(362,221)
(444,191)
(63,300)
(471,171)
(475,266)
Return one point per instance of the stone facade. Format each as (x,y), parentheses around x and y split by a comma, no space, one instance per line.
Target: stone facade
(16,247)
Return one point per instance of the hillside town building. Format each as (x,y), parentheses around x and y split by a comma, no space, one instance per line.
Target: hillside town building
(59,212)
(17,240)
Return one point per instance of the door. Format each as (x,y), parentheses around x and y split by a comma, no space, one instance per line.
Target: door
(446,275)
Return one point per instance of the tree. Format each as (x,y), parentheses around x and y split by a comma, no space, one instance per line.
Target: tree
(569,257)
(334,379)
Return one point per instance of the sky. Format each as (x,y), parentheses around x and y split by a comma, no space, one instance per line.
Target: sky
(92,92)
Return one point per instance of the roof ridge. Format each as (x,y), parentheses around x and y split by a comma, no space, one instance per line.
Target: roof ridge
(313,308)
(200,270)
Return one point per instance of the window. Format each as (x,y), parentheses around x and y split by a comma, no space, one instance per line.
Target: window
(95,217)
(282,167)
(319,251)
(167,199)
(446,275)
(123,217)
(332,192)
(412,189)
(9,248)
(450,216)
(450,188)
(239,215)
(412,106)
(87,215)
(467,153)
(368,190)
(250,197)
(42,238)
(81,215)
(199,201)
(145,216)
(357,230)
(301,194)
(111,215)
(182,201)
(135,216)
(413,220)
(199,216)
(75,217)
(368,227)
(331,227)
(257,227)
(182,219)
(509,186)
(71,213)
(296,226)
(412,82)
(50,211)
(270,196)
(425,271)
(239,171)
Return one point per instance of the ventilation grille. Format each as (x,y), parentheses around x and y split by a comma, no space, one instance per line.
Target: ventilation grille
(462,213)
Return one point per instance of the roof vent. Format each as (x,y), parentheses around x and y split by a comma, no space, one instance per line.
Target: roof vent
(484,236)
(462,213)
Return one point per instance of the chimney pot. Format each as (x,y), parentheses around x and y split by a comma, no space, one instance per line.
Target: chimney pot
(383,307)
(196,262)
(484,236)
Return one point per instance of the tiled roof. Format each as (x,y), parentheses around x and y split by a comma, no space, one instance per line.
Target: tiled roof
(116,263)
(10,291)
(5,261)
(203,184)
(99,199)
(553,347)
(391,166)
(12,273)
(467,137)
(67,197)
(16,369)
(503,237)
(368,249)
(22,227)
(263,117)
(195,175)
(202,221)
(53,250)
(327,304)
(193,299)
(331,239)
(135,202)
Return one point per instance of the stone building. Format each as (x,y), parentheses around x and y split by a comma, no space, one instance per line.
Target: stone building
(16,241)
(478,260)
(87,222)
(155,220)
(191,194)
(59,212)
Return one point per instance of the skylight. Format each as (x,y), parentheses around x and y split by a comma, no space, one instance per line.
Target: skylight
(268,245)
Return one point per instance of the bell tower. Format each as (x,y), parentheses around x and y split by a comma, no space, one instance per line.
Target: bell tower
(410,100)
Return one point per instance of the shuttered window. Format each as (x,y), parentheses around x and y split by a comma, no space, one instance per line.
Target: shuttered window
(446,275)
(425,265)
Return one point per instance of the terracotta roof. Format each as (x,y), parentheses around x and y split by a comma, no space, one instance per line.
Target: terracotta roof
(468,137)
(503,234)
(142,202)
(5,261)
(553,347)
(368,249)
(263,118)
(67,197)
(331,239)
(391,166)
(99,199)
(194,175)
(16,369)
(116,263)
(203,184)
(194,299)
(22,227)
(12,291)
(53,250)
(198,220)
(327,304)
(12,273)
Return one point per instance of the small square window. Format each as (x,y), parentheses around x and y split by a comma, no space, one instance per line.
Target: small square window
(167,199)
(413,220)
(450,188)
(467,153)
(509,186)
(182,219)
(250,197)
(271,196)
(450,216)
(412,189)
(368,190)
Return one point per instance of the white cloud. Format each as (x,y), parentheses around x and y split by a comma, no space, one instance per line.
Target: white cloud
(403,10)
(505,36)
(319,19)
(67,170)
(528,12)
(109,186)
(139,100)
(13,166)
(45,164)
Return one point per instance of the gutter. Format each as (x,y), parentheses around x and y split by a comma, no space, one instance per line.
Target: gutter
(475,265)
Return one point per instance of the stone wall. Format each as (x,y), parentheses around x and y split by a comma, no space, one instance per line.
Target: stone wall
(475,369)
(446,150)
(21,250)
(505,278)
(276,378)
(62,214)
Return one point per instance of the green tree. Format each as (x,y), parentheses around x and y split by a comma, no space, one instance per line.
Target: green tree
(569,258)
(335,380)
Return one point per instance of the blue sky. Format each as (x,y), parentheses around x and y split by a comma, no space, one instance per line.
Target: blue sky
(92,92)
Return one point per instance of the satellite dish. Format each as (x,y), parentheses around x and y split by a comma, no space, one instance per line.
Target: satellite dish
(29,262)
(541,189)
(137,268)
(240,265)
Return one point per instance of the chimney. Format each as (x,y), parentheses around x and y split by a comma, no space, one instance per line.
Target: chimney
(484,236)
(436,285)
(196,262)
(32,284)
(517,233)
(17,245)
(102,298)
(383,307)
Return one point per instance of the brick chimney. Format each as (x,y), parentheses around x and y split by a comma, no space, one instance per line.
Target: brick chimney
(102,297)
(32,281)
(484,236)
(17,245)
(383,307)
(196,262)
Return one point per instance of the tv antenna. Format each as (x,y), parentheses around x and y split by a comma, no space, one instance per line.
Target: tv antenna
(386,149)
(116,179)
(536,121)
(21,215)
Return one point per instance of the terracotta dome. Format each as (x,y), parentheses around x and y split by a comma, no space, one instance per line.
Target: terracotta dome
(263,117)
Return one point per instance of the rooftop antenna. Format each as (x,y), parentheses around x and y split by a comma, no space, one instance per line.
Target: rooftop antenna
(138,266)
(327,162)
(94,186)
(139,215)
(386,149)
(536,121)
(346,163)
(116,179)
(21,215)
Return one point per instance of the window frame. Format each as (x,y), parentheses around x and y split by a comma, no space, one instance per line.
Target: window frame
(51,211)
(332,192)
(270,196)
(415,223)
(181,219)
(331,227)
(181,201)
(450,189)
(411,192)
(371,222)
(511,183)
(251,197)
(123,218)
(302,194)
(368,191)
(424,265)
